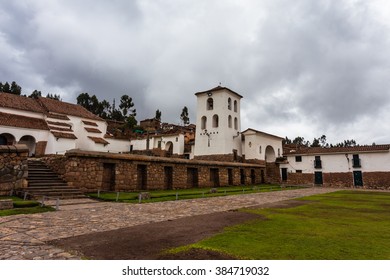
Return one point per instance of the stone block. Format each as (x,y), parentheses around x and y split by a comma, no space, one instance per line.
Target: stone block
(6,204)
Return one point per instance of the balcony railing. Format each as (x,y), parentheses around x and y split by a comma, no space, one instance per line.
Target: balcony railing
(317,164)
(356,162)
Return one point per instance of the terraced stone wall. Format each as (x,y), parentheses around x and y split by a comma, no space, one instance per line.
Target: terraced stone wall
(13,168)
(90,171)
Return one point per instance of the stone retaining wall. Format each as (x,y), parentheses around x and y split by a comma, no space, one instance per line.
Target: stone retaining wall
(6,204)
(13,168)
(90,171)
(371,180)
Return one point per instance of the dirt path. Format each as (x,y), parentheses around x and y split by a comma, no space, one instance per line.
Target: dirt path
(149,241)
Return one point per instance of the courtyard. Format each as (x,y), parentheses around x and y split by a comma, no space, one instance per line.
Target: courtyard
(107,230)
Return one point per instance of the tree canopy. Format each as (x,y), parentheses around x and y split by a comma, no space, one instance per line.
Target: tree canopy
(319,142)
(184,116)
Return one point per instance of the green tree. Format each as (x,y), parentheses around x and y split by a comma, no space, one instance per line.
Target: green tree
(53,96)
(126,106)
(15,88)
(128,113)
(158,115)
(184,116)
(91,103)
(6,88)
(35,94)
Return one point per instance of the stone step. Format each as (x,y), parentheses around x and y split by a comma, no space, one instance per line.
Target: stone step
(47,184)
(44,182)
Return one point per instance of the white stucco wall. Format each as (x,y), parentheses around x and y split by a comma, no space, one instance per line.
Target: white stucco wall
(60,145)
(117,145)
(138,144)
(255,145)
(18,133)
(22,113)
(370,162)
(222,139)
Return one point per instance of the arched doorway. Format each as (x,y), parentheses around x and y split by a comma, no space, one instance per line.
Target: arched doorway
(30,142)
(7,139)
(270,154)
(169,148)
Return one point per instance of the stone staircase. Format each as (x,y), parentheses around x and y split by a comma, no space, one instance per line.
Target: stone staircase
(42,181)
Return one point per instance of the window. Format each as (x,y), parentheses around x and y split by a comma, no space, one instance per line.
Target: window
(159,144)
(317,162)
(235,123)
(278,152)
(356,161)
(203,124)
(260,150)
(229,103)
(210,104)
(230,121)
(298,158)
(298,171)
(235,105)
(215,121)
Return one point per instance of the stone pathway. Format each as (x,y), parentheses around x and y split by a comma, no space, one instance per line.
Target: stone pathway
(25,236)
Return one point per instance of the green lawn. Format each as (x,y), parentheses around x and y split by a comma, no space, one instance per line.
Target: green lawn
(23,207)
(166,195)
(336,226)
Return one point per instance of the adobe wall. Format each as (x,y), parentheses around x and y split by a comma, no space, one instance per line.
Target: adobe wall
(13,167)
(90,171)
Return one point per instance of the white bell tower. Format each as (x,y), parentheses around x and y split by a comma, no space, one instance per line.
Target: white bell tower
(218,122)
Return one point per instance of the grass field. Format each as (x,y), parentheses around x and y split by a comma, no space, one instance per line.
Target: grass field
(23,207)
(166,195)
(336,226)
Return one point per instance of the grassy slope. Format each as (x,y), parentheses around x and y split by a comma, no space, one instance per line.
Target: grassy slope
(341,225)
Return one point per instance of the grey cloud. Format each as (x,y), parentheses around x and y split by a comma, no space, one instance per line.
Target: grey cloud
(319,63)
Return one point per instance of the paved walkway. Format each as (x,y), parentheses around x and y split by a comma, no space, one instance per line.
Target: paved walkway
(25,236)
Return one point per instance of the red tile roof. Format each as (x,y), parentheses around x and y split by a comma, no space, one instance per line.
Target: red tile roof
(58,117)
(59,124)
(261,132)
(60,107)
(92,130)
(98,140)
(63,135)
(335,150)
(90,123)
(22,121)
(60,128)
(18,102)
(218,88)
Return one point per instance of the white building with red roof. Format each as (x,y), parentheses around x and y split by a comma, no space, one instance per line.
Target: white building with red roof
(337,166)
(50,126)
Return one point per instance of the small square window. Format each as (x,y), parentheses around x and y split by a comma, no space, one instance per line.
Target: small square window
(298,158)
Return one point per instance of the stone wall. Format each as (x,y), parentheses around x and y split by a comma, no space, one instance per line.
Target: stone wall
(222,158)
(273,173)
(377,180)
(90,171)
(371,180)
(13,168)
(337,180)
(299,179)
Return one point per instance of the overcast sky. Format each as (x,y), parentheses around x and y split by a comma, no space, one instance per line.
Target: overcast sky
(304,67)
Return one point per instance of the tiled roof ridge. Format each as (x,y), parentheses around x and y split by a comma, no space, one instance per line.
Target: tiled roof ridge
(13,120)
(66,108)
